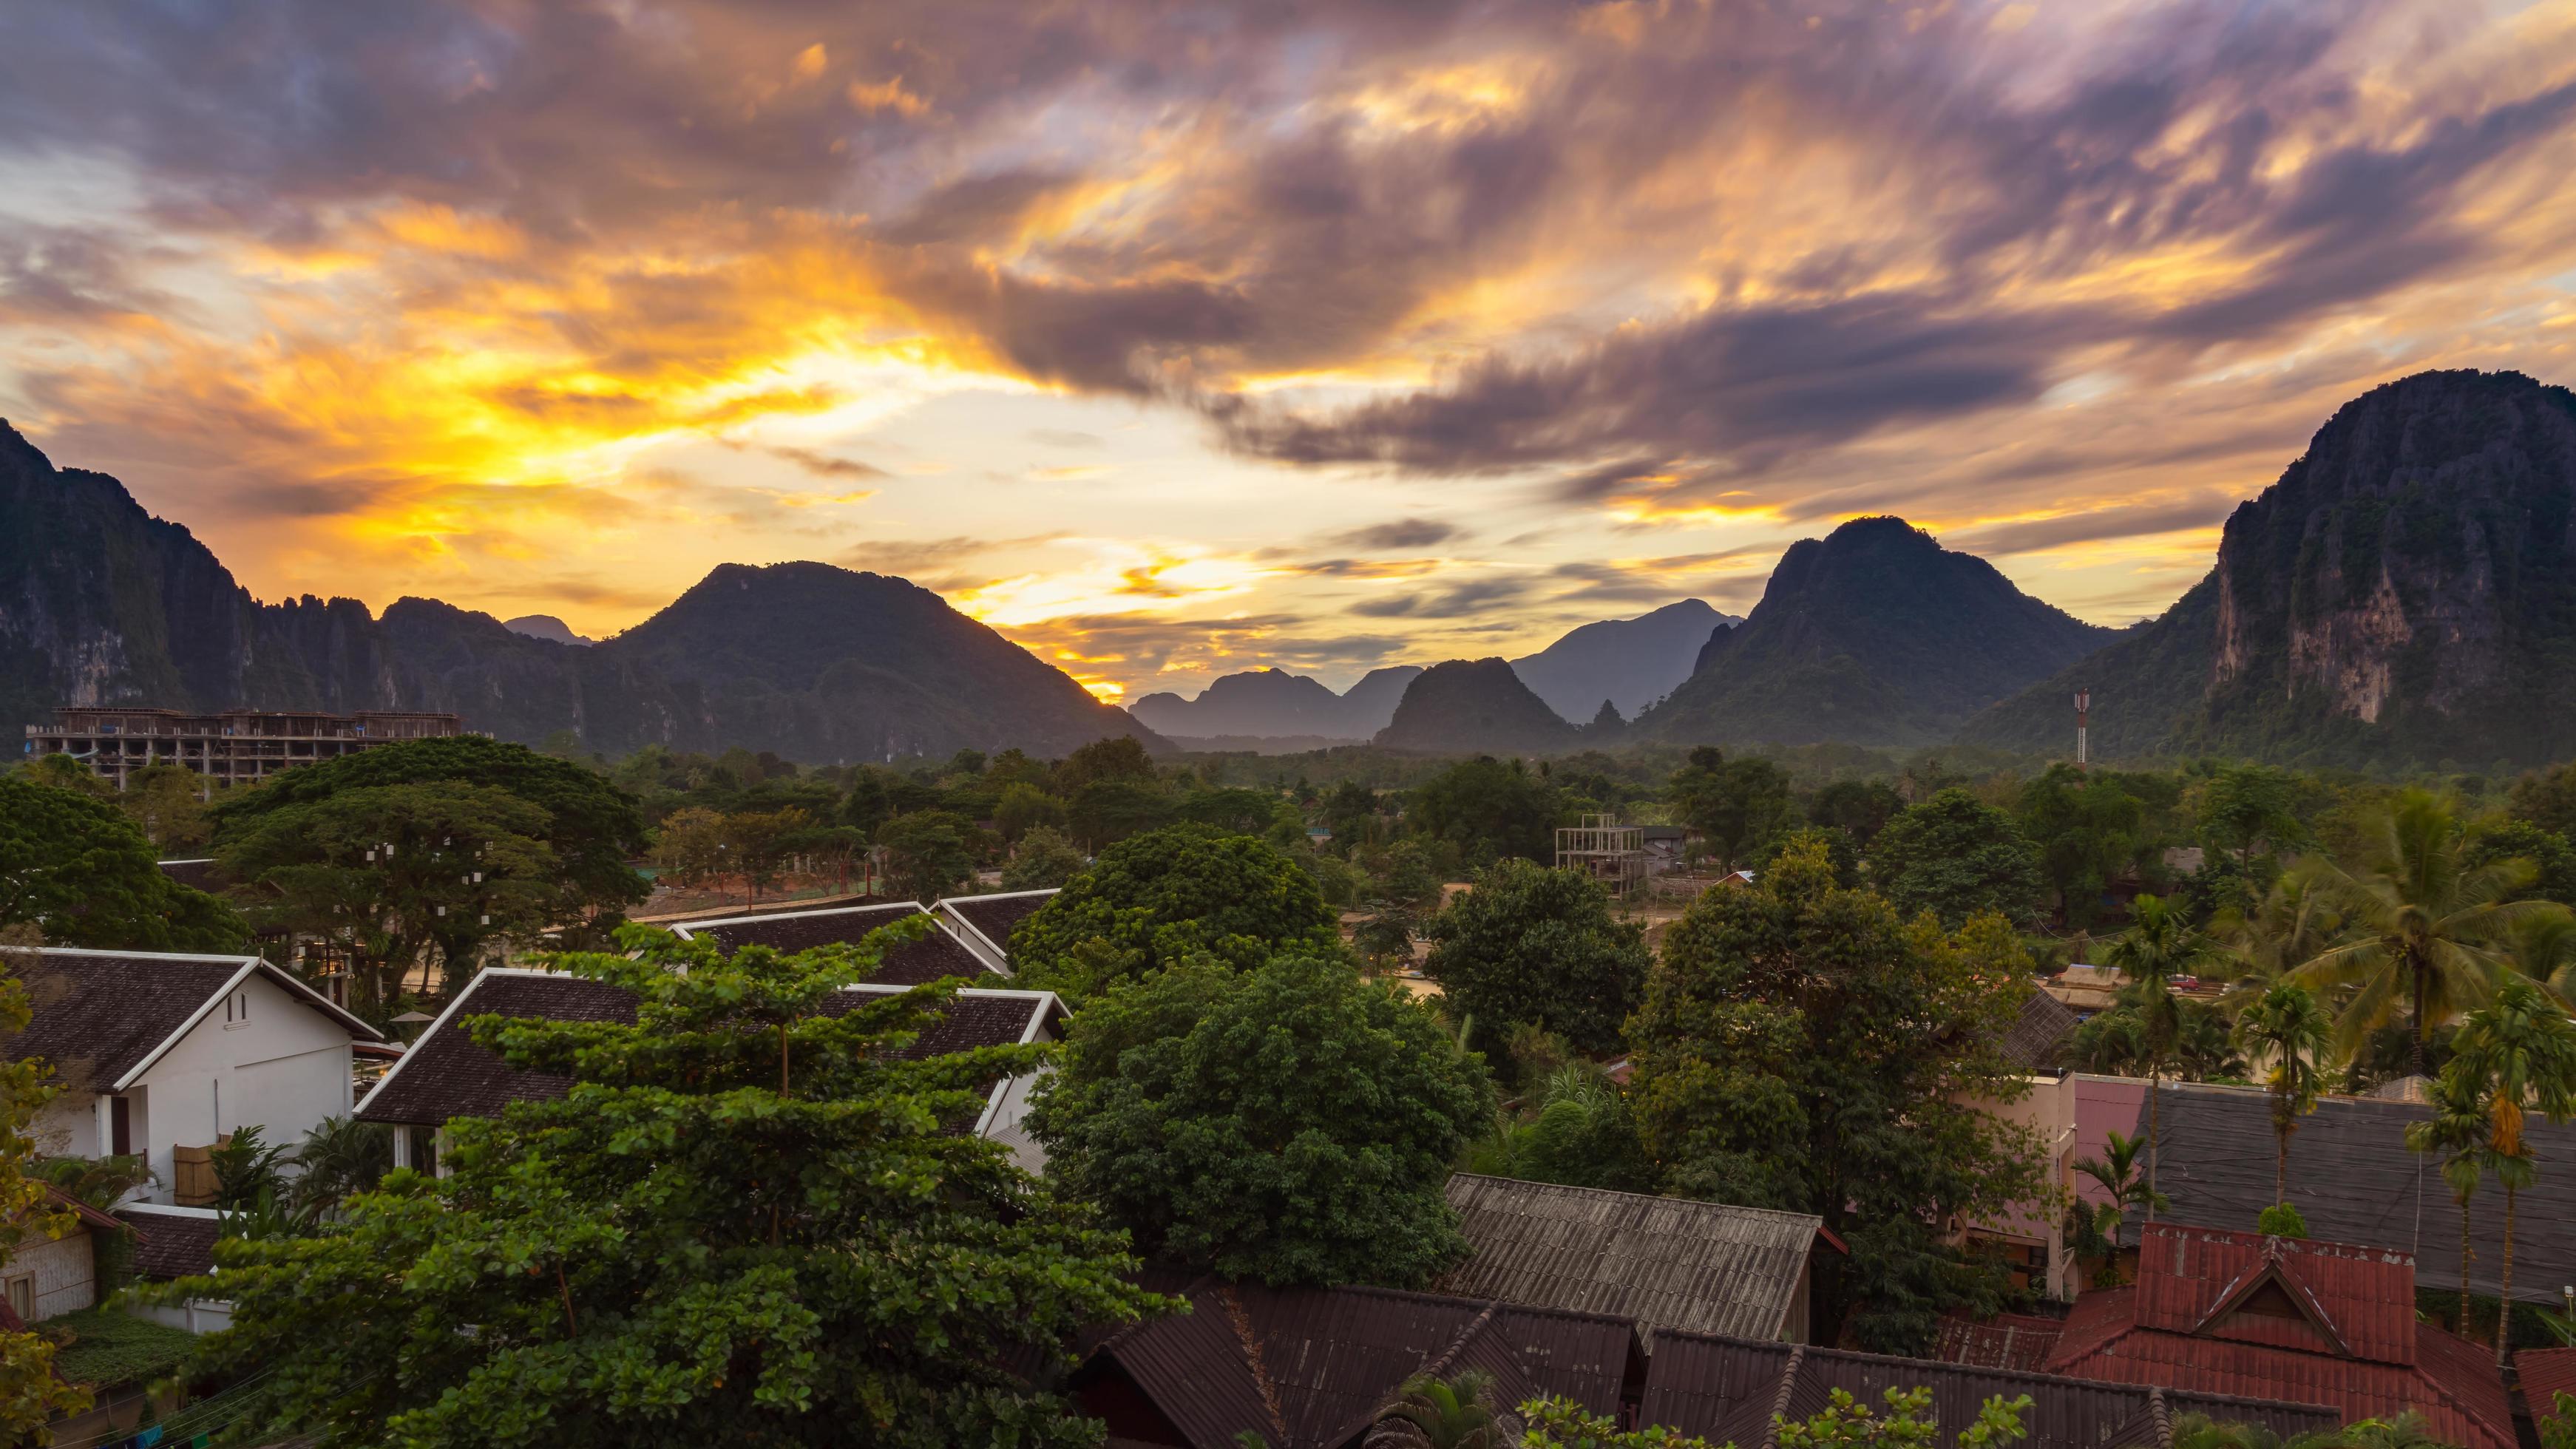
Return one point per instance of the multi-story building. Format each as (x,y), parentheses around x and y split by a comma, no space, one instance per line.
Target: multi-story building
(232,747)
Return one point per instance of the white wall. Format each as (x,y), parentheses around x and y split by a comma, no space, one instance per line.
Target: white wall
(282,1069)
(65,1271)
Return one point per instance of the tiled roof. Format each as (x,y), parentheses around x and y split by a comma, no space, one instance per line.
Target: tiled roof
(446,1075)
(1727,1389)
(1309,1368)
(1665,1262)
(202,875)
(101,1015)
(2546,1373)
(934,957)
(2355,1182)
(995,917)
(2235,1313)
(172,1244)
(2038,1036)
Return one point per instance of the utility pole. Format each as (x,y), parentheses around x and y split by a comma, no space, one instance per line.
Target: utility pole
(2083,708)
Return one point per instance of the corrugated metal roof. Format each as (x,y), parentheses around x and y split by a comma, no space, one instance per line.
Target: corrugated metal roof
(2546,1373)
(2038,1036)
(1727,1389)
(2361,1300)
(2008,1340)
(1664,1262)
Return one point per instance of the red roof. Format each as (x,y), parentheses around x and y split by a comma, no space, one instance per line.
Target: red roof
(2277,1318)
(2546,1373)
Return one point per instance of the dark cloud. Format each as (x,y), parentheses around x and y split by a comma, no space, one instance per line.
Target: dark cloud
(1402,533)
(1457,601)
(2138,521)
(824,465)
(905,557)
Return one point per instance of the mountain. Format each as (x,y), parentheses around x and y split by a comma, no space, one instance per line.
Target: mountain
(1475,706)
(545,626)
(1872,635)
(1629,662)
(2403,596)
(101,603)
(1274,704)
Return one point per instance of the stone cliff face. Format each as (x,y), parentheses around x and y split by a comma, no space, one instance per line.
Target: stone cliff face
(101,603)
(2405,594)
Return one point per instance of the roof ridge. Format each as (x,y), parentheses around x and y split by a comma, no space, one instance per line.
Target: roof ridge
(1250,1343)
(1687,1202)
(1780,1396)
(1439,1362)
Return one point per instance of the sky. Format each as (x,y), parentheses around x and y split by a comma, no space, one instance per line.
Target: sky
(1176,339)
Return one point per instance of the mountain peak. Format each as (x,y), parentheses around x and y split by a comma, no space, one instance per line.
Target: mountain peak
(1477,705)
(1629,662)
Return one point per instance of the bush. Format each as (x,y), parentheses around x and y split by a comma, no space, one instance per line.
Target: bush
(108,1349)
(2282,1220)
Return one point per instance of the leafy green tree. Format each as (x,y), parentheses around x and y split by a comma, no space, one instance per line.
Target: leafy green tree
(1106,811)
(928,854)
(1737,805)
(2552,858)
(1957,857)
(1233,809)
(1844,1423)
(2287,1030)
(2294,922)
(468,866)
(75,868)
(30,1394)
(2087,831)
(1531,944)
(169,804)
(2246,809)
(2158,946)
(1044,858)
(1158,897)
(2547,798)
(691,847)
(592,827)
(2281,1220)
(746,1222)
(1841,851)
(2458,1131)
(1120,757)
(1583,1135)
(1023,807)
(762,842)
(1859,808)
(340,1157)
(1487,809)
(2425,924)
(1385,940)
(1802,1047)
(2516,1053)
(1351,812)
(1405,874)
(1203,1106)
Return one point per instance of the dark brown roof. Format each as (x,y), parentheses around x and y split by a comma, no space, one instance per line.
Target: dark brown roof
(1309,1368)
(2037,1040)
(446,1075)
(202,875)
(2007,1340)
(172,1245)
(912,963)
(997,916)
(1664,1262)
(1727,1389)
(99,1015)
(2355,1182)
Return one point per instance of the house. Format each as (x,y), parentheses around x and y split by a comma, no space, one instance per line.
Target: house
(1726,1390)
(2355,1181)
(940,954)
(1309,1368)
(43,1277)
(985,923)
(2546,1373)
(2219,1311)
(160,1054)
(177,1242)
(1663,1262)
(2031,1238)
(446,1075)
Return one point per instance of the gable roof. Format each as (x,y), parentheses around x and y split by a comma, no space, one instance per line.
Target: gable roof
(934,957)
(172,1242)
(446,1074)
(2037,1039)
(2355,1182)
(2331,1323)
(988,920)
(104,1017)
(1727,1389)
(1309,1368)
(1665,1262)
(2545,1373)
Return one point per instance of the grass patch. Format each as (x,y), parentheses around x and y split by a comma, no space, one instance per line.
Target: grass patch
(111,1349)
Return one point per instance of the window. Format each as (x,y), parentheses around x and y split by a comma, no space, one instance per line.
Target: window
(237,1009)
(22,1297)
(120,1126)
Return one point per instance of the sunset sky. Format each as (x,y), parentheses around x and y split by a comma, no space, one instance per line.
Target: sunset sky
(1178,339)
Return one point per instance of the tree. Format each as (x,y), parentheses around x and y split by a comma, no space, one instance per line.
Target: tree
(2518,1051)
(1842,1424)
(1023,807)
(592,827)
(76,869)
(1158,897)
(1452,1413)
(2424,923)
(691,847)
(1109,810)
(1488,809)
(2547,798)
(1738,804)
(30,1394)
(1538,945)
(2552,858)
(1802,1047)
(928,854)
(2116,1170)
(2287,1029)
(1583,1135)
(1385,940)
(2158,946)
(406,872)
(1043,859)
(168,803)
(2246,807)
(762,841)
(1119,757)
(2294,922)
(2087,832)
(748,1221)
(2458,1130)
(1203,1106)
(1955,856)
(1859,808)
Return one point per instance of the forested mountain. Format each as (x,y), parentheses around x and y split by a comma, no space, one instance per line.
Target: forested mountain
(1629,662)
(1872,635)
(1272,703)
(101,603)
(2404,595)
(1475,706)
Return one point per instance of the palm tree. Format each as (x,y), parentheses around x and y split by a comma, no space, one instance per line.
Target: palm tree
(1429,1412)
(2286,1026)
(2108,1043)
(2117,1172)
(2158,946)
(2518,1051)
(2295,921)
(2424,924)
(2544,949)
(2458,1131)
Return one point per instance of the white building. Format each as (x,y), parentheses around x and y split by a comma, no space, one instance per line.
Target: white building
(157,1051)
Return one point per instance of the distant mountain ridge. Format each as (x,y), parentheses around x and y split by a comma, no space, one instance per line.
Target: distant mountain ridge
(101,603)
(2404,595)
(1475,706)
(1272,703)
(1630,662)
(1872,635)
